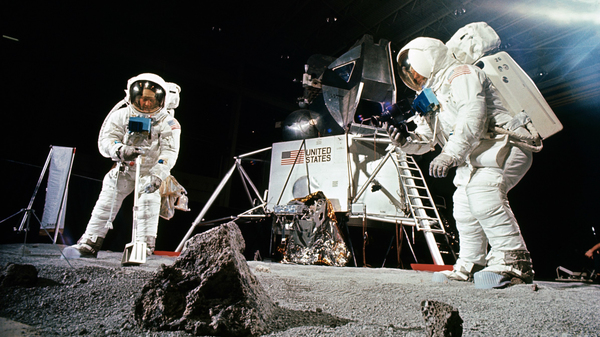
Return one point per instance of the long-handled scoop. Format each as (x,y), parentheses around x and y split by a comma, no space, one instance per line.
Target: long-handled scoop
(135,252)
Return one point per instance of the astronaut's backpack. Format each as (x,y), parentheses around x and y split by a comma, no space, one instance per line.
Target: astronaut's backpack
(472,42)
(477,43)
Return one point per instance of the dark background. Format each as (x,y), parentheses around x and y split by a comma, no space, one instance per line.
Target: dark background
(65,65)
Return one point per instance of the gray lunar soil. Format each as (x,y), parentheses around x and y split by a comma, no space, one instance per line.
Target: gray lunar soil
(95,297)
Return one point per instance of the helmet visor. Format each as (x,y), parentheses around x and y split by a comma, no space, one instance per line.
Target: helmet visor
(408,74)
(147,96)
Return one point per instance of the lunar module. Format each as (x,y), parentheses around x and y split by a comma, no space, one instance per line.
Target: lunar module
(337,168)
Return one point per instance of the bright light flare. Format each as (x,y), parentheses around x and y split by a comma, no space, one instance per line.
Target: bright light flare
(569,11)
(569,16)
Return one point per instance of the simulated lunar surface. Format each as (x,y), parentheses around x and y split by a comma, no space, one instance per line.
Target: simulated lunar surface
(95,297)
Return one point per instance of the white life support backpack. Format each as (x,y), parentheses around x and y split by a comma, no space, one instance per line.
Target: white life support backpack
(477,43)
(172,97)
(472,42)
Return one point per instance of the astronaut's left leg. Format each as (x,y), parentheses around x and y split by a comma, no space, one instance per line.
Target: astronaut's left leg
(148,215)
(473,243)
(487,192)
(115,187)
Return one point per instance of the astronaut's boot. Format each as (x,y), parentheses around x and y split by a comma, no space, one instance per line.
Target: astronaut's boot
(461,272)
(86,247)
(150,245)
(505,268)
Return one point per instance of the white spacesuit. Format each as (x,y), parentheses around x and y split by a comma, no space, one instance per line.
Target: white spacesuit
(488,164)
(146,96)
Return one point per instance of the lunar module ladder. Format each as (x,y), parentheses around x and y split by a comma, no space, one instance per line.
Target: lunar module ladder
(425,213)
(422,206)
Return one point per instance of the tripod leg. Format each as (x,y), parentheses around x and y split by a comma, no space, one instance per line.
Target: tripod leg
(365,242)
(399,242)
(350,242)
(19,212)
(388,251)
(37,187)
(26,218)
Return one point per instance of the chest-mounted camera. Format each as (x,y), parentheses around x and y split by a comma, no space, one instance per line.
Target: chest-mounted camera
(140,125)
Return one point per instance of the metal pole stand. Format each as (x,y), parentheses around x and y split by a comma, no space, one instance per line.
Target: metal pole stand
(213,197)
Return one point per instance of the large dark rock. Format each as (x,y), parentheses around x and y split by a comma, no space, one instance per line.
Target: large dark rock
(19,275)
(441,319)
(209,290)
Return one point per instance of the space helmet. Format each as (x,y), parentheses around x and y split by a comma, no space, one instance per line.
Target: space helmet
(418,59)
(147,93)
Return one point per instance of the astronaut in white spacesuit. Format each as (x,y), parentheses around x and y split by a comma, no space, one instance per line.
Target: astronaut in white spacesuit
(147,96)
(488,165)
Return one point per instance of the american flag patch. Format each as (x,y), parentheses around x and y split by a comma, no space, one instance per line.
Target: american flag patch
(461,70)
(174,124)
(289,157)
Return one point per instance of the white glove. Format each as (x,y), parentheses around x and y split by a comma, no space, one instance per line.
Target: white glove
(153,185)
(395,135)
(129,153)
(440,165)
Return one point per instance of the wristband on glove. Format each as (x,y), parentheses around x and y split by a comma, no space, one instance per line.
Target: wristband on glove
(440,165)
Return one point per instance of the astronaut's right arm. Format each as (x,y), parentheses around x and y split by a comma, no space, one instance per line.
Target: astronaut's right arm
(112,134)
(417,144)
(418,141)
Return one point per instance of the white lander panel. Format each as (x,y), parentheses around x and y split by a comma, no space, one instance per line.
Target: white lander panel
(338,166)
(519,93)
(326,161)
